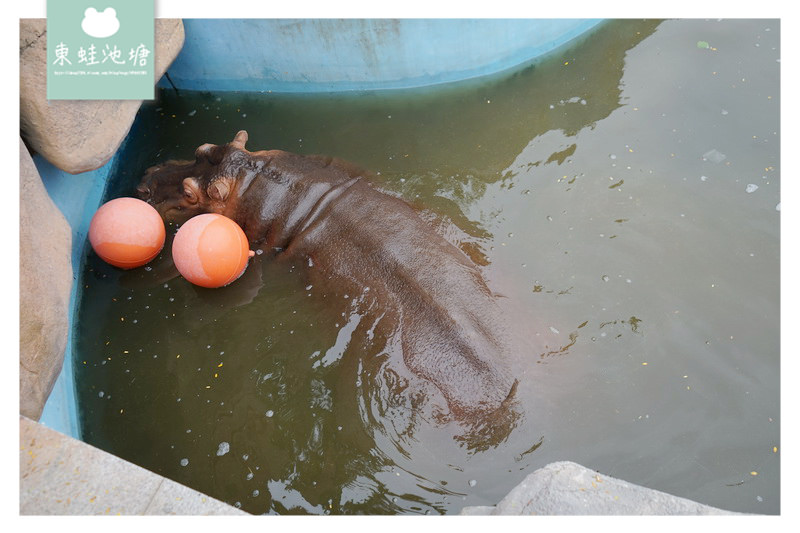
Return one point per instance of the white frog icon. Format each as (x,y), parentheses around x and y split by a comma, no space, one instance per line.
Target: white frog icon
(100,25)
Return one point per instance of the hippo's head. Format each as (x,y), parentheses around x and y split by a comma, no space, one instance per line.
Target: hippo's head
(180,190)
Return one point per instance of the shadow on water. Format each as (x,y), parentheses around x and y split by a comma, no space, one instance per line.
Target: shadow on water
(275,400)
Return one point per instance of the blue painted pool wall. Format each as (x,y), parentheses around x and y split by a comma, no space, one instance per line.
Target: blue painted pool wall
(322,55)
(77,197)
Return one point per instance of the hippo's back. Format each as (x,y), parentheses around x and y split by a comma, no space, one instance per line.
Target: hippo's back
(451,328)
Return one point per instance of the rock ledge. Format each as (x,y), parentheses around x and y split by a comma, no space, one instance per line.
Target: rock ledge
(566,488)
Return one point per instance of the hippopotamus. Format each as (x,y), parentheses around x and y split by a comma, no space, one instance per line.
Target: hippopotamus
(327,215)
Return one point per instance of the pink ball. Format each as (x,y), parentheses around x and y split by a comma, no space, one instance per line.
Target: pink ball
(127,232)
(210,250)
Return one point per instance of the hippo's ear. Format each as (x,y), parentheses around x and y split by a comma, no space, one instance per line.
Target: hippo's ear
(209,152)
(240,139)
(204,149)
(191,190)
(219,189)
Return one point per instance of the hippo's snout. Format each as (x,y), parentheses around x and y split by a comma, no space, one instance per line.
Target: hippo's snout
(164,186)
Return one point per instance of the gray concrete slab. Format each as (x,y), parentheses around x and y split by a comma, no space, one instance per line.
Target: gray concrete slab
(60,475)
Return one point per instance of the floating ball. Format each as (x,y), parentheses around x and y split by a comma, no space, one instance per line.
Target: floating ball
(127,232)
(210,250)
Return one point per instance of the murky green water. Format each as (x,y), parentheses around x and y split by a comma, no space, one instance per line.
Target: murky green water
(624,196)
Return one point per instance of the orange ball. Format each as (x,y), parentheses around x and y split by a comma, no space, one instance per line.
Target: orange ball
(210,250)
(127,232)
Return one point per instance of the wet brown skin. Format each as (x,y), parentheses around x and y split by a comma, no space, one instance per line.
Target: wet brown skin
(323,214)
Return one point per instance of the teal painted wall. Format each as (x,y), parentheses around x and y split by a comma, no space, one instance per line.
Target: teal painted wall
(318,55)
(77,197)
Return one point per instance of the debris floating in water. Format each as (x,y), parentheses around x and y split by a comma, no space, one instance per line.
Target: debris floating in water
(715,156)
(269,413)
(184,461)
(473,482)
(224,448)
(751,187)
